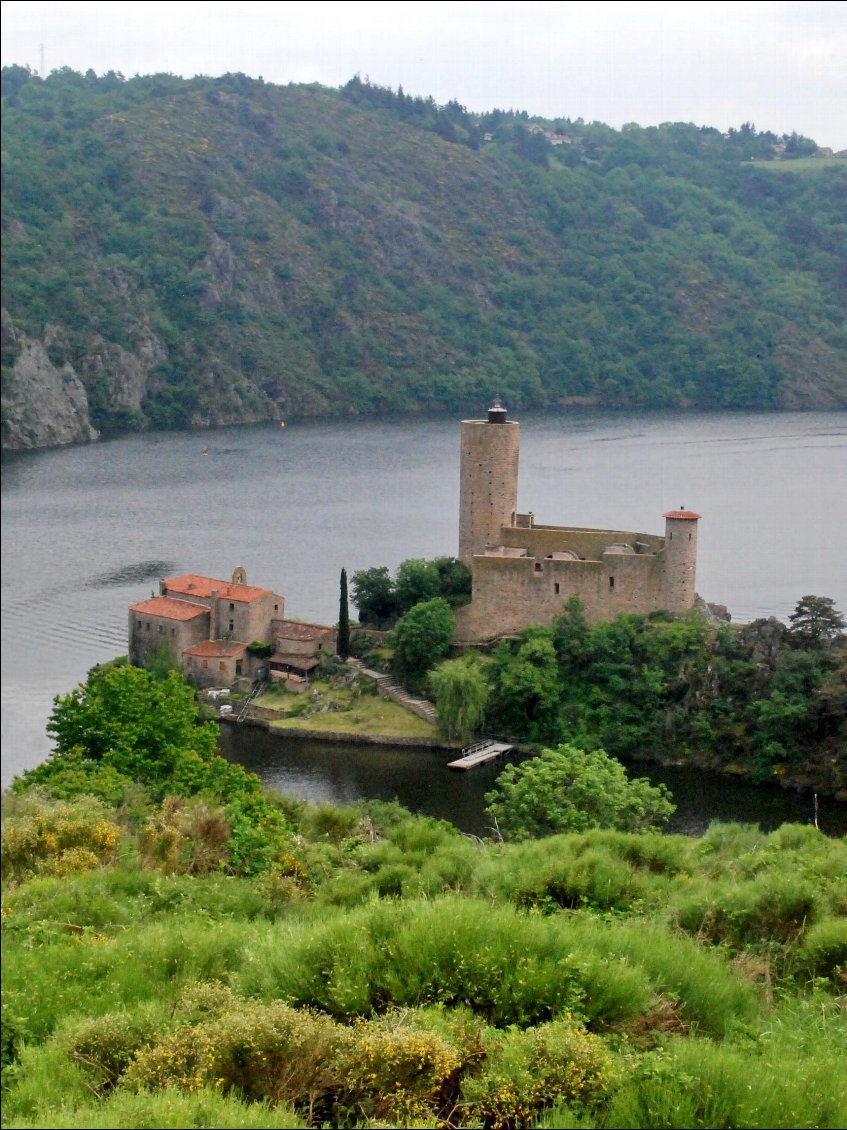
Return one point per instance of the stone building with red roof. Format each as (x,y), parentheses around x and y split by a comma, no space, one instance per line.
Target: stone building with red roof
(208,625)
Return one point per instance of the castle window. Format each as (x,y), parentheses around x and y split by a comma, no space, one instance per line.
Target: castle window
(538,567)
(231,625)
(173,631)
(222,666)
(205,662)
(611,582)
(231,607)
(556,588)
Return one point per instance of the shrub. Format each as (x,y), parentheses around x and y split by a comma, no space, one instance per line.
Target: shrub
(394,1071)
(45,837)
(824,949)
(107,1045)
(772,907)
(265,1051)
(525,1071)
(185,837)
(508,968)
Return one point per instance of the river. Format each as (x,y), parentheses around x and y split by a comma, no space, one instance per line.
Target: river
(89,530)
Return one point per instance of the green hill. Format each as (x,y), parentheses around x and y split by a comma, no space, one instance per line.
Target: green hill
(181,253)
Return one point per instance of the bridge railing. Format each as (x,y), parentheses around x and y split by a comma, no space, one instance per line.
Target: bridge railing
(476,747)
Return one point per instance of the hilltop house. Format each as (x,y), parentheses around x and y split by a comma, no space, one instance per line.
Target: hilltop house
(209,626)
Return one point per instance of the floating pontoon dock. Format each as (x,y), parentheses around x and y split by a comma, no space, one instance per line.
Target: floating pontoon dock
(480,753)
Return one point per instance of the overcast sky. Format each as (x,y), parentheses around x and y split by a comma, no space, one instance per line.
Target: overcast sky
(782,66)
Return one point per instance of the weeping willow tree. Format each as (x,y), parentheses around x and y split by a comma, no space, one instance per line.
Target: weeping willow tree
(460,690)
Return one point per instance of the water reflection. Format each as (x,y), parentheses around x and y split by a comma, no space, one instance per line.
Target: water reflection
(419,779)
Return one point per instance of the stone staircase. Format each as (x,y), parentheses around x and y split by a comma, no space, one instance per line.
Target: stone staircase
(387,687)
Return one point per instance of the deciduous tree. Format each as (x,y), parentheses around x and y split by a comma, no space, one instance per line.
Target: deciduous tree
(569,790)
(422,638)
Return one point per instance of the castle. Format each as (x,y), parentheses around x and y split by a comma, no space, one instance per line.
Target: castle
(523,572)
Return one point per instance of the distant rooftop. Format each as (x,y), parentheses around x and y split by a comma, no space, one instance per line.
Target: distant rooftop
(192,584)
(169,608)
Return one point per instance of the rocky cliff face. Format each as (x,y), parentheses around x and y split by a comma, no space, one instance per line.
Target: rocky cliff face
(43,405)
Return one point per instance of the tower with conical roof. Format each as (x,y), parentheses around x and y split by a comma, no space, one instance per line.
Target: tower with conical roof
(488,485)
(679,560)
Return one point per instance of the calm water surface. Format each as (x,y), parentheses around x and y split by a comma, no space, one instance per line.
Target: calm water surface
(89,530)
(322,772)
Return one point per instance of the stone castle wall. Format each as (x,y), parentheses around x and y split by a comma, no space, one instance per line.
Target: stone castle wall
(510,593)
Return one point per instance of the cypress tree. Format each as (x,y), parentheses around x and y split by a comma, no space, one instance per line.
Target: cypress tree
(342,646)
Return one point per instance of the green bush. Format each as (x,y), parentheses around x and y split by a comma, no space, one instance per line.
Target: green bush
(773,907)
(45,837)
(507,967)
(823,952)
(571,790)
(395,1072)
(526,1071)
(169,1109)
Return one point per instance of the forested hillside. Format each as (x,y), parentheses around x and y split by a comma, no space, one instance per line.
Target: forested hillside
(181,253)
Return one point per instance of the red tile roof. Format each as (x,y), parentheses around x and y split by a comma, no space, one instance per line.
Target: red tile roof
(689,514)
(168,608)
(192,584)
(216,649)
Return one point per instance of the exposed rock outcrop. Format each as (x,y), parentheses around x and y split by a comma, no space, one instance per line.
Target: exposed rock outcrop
(43,405)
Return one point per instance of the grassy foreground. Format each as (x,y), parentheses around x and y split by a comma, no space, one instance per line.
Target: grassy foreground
(392,972)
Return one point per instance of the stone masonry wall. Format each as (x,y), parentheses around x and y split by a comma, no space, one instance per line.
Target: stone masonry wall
(511,593)
(488,487)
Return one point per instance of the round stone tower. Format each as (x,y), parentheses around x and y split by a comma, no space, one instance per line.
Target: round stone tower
(679,560)
(488,484)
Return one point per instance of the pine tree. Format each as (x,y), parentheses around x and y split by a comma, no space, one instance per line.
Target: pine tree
(342,646)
